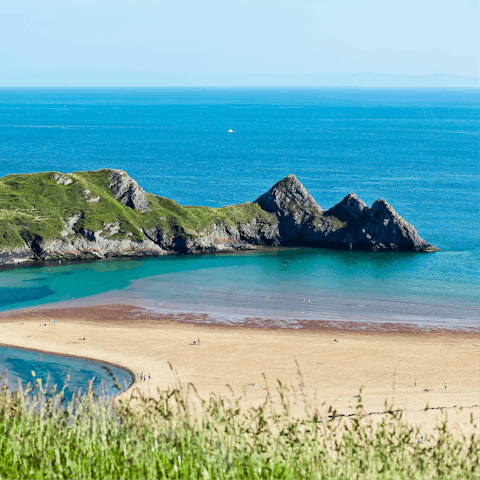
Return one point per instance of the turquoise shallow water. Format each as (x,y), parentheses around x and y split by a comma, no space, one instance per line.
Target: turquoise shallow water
(408,286)
(390,276)
(417,149)
(54,369)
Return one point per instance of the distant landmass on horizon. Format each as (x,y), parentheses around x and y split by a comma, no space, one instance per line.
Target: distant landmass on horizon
(125,78)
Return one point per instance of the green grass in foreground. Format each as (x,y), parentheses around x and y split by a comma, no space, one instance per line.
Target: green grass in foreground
(165,437)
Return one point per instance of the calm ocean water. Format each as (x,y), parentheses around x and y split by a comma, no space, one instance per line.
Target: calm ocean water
(416,148)
(54,369)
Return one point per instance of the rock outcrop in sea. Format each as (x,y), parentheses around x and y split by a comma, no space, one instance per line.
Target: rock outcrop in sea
(350,224)
(105,213)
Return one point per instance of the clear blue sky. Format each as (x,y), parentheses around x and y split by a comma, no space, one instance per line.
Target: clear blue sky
(408,37)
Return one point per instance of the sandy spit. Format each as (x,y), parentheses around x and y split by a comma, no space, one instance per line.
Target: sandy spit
(331,363)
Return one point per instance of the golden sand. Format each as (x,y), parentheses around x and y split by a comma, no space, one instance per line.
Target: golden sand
(386,365)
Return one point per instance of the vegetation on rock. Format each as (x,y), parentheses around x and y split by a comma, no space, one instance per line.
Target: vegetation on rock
(94,214)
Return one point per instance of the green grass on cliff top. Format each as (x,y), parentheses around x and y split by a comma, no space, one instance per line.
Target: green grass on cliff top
(34,206)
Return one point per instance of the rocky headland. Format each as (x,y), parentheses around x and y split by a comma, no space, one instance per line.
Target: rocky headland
(105,213)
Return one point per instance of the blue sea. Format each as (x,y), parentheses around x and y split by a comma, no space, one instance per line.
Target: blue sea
(416,148)
(72,374)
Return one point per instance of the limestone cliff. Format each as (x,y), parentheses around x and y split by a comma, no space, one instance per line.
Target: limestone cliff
(127,191)
(104,213)
(348,225)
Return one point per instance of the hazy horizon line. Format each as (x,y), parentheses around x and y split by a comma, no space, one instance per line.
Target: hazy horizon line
(137,78)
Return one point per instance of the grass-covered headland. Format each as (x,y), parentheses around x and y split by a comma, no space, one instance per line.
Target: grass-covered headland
(88,215)
(166,437)
(37,207)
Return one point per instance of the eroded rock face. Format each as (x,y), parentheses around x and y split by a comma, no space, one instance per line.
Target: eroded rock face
(288,198)
(350,208)
(62,179)
(386,230)
(293,205)
(110,229)
(217,238)
(350,224)
(90,199)
(92,245)
(127,191)
(13,256)
(69,224)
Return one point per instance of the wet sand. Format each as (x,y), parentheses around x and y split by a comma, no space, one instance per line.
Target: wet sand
(287,310)
(383,359)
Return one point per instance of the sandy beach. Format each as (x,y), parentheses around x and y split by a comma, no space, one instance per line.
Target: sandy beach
(334,363)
